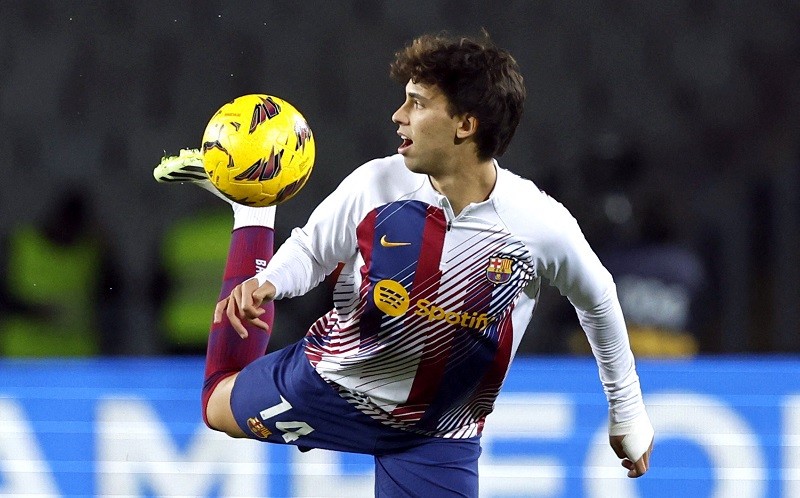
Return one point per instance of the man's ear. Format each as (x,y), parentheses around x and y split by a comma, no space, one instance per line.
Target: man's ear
(467,126)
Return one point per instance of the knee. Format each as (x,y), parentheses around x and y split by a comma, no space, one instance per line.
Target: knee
(217,412)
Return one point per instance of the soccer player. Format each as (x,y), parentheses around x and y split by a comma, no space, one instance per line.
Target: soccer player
(443,252)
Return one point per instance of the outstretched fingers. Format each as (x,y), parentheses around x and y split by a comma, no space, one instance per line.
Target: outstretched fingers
(233,317)
(241,304)
(219,309)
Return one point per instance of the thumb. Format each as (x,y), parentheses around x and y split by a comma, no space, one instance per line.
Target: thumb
(616,445)
(632,438)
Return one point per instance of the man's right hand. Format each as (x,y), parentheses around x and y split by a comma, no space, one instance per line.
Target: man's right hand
(244,303)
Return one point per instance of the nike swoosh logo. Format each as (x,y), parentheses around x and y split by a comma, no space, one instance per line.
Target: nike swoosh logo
(386,243)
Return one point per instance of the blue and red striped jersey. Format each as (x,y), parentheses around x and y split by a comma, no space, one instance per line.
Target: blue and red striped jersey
(430,305)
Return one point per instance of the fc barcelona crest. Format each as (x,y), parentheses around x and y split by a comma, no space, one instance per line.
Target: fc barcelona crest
(258,428)
(499,270)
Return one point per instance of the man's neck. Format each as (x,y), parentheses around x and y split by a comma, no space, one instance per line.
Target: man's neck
(470,183)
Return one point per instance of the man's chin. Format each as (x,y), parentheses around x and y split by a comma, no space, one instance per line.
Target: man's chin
(413,165)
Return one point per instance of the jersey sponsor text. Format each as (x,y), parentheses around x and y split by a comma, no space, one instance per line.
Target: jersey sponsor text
(467,319)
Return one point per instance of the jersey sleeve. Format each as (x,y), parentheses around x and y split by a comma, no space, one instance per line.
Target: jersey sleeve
(313,251)
(572,266)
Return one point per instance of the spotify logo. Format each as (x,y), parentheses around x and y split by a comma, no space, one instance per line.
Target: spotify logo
(390,297)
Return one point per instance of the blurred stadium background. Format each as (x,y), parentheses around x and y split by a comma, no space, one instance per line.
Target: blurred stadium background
(669,129)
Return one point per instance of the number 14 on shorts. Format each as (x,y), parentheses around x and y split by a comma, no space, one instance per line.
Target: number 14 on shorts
(292,430)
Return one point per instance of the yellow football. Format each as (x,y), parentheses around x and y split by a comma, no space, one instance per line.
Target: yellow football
(258,150)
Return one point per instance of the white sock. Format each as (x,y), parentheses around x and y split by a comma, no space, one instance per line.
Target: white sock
(247,216)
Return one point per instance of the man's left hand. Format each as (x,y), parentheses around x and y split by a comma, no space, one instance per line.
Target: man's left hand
(632,441)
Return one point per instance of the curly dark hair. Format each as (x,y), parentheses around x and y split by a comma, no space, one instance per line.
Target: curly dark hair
(478,79)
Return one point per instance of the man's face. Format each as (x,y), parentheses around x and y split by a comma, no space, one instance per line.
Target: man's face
(427,129)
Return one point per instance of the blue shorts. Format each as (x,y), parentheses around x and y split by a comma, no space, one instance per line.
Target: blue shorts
(280,398)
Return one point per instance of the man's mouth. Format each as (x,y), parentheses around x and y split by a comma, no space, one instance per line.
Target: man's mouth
(407,142)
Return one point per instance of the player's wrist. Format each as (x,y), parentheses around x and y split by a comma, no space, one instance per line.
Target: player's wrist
(263,280)
(637,434)
(265,292)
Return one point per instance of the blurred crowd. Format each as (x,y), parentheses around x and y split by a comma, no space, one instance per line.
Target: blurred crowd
(669,129)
